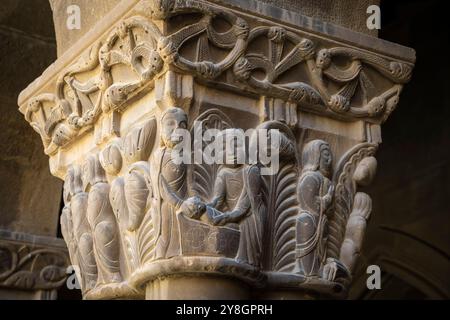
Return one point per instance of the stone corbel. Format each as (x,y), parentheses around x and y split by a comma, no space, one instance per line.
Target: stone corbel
(139,225)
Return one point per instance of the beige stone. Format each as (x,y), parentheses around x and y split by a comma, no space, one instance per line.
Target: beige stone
(139,224)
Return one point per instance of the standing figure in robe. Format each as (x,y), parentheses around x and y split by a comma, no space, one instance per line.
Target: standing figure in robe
(250,210)
(230,180)
(234,201)
(102,222)
(169,179)
(315,193)
(76,230)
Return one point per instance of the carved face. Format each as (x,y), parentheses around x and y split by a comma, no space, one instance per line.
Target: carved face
(325,160)
(172,120)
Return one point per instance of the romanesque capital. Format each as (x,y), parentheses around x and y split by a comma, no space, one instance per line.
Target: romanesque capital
(140,224)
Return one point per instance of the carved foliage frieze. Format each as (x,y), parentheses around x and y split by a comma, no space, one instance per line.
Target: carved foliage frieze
(30,266)
(269,59)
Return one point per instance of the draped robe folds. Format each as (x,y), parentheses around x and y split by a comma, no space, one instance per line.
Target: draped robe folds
(253,211)
(228,188)
(169,192)
(312,187)
(105,241)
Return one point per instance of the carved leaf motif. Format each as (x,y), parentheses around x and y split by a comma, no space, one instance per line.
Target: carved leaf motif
(344,194)
(146,237)
(8,261)
(139,142)
(76,103)
(119,205)
(204,175)
(275,64)
(233,40)
(136,194)
(38,268)
(281,200)
(111,159)
(52,273)
(22,279)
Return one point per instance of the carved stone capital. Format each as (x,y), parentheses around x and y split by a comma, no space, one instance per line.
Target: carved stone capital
(139,224)
(30,263)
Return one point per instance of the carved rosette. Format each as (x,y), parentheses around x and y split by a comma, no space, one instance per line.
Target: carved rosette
(133,217)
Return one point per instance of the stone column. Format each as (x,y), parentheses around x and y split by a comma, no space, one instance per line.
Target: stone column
(140,224)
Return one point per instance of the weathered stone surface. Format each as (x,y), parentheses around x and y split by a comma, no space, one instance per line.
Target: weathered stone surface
(91,12)
(108,112)
(32,267)
(350,14)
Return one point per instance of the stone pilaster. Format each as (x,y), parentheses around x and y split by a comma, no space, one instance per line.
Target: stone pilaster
(140,225)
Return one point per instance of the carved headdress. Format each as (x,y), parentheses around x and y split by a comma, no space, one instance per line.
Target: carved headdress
(312,153)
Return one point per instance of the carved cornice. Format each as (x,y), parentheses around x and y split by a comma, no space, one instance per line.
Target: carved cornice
(31,262)
(227,48)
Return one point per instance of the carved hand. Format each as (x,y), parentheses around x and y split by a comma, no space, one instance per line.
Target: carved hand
(326,200)
(330,269)
(220,220)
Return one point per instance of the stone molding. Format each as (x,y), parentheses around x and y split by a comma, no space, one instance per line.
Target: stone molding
(327,88)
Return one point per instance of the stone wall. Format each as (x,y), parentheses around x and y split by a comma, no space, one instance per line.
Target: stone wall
(30,196)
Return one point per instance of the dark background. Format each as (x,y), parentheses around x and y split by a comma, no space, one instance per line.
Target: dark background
(408,235)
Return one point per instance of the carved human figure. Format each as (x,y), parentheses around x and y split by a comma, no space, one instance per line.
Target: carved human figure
(230,179)
(357,221)
(130,194)
(354,232)
(102,222)
(315,193)
(249,211)
(170,190)
(74,221)
(67,225)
